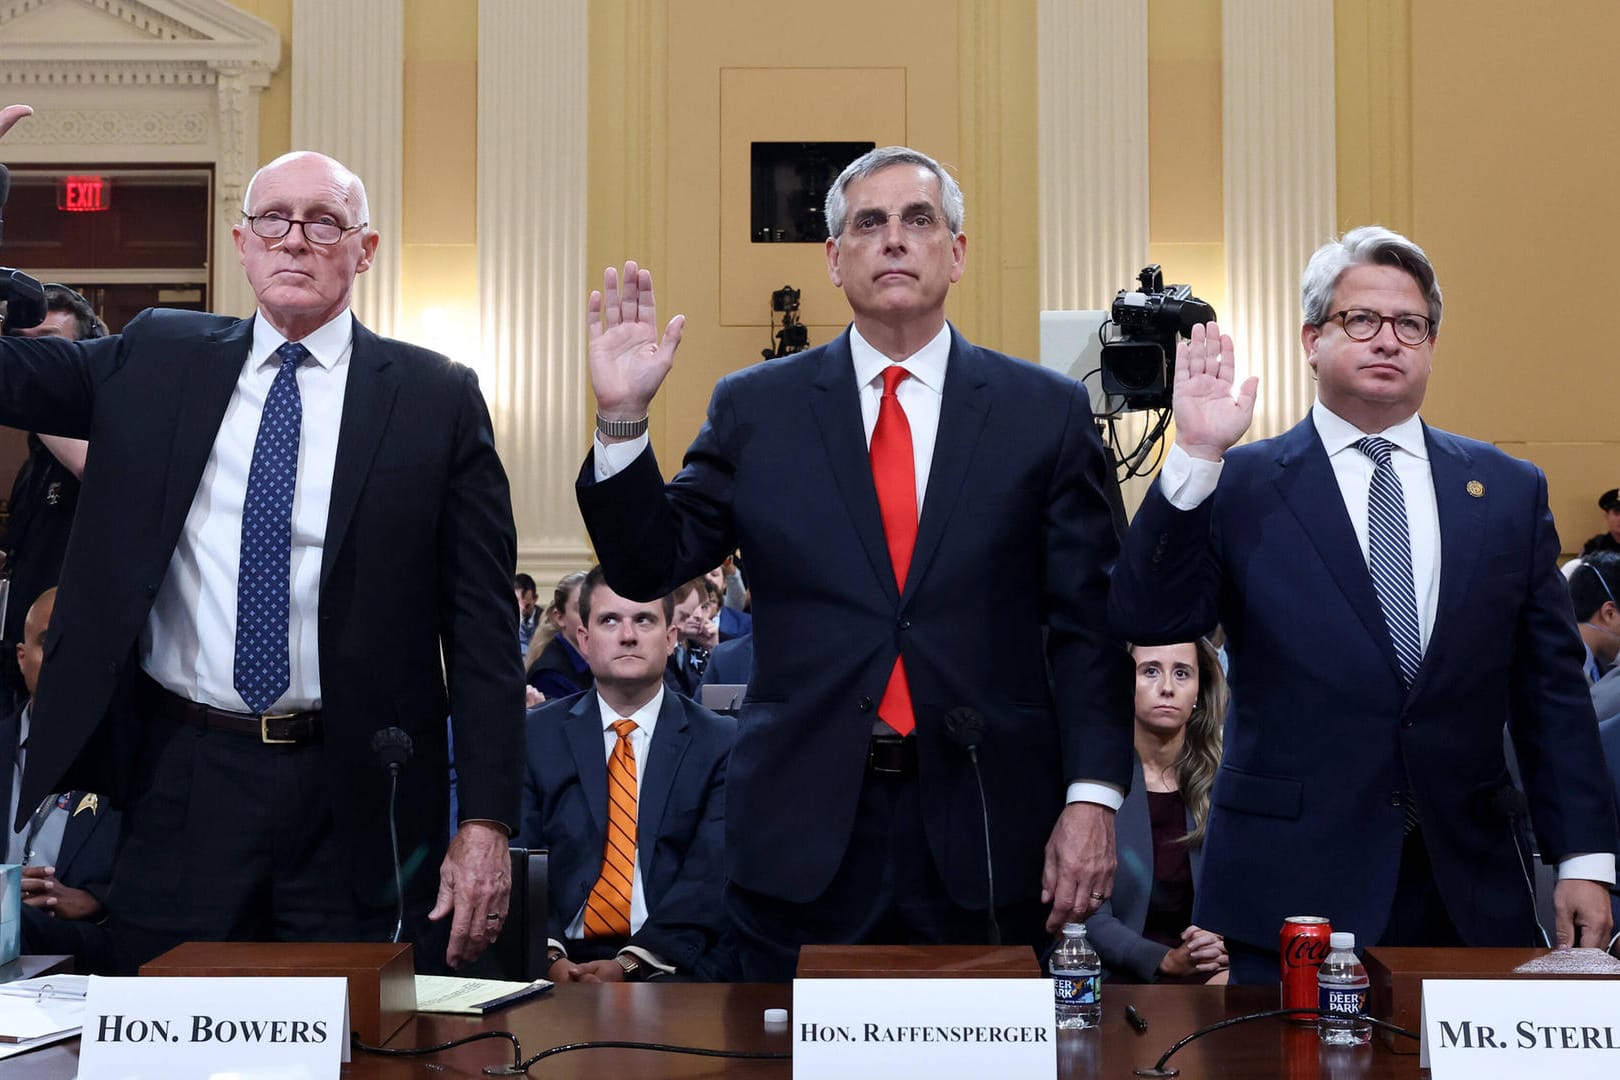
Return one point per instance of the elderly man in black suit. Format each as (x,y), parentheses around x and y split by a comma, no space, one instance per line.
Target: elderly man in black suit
(230,632)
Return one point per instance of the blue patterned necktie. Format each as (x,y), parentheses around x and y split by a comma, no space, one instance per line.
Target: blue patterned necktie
(1389,556)
(263,587)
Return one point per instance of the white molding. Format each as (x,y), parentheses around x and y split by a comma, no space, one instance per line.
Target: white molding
(532,132)
(190,92)
(348,102)
(1280,187)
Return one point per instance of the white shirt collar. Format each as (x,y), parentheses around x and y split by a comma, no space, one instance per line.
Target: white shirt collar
(326,345)
(646,717)
(1338,434)
(926,365)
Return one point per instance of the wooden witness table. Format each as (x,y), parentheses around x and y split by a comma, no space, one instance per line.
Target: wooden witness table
(730,1017)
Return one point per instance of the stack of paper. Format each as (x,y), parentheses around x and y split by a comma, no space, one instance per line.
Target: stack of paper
(34,1012)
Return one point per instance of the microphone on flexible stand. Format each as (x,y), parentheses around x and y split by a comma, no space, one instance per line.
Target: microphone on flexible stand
(1509,802)
(964,726)
(393,749)
(24,297)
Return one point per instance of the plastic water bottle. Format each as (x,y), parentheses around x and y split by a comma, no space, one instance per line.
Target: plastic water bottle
(1341,988)
(1076,980)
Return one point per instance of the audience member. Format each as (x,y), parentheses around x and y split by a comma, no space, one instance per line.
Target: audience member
(528,600)
(45,492)
(554,663)
(66,845)
(729,622)
(1145,932)
(1609,540)
(731,663)
(1371,678)
(1591,592)
(871,481)
(626,788)
(230,631)
(696,635)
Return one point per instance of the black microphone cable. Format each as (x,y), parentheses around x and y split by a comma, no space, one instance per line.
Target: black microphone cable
(393,749)
(965,727)
(520,1065)
(1158,1070)
(1511,804)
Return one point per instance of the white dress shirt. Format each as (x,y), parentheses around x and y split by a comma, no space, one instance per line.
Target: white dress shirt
(920,396)
(1187,481)
(189,642)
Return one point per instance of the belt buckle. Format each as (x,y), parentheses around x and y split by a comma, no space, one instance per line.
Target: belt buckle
(264,729)
(882,768)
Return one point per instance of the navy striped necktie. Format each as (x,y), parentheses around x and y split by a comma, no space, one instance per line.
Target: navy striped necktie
(1389,556)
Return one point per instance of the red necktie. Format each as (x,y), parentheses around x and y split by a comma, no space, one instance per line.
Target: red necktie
(894,474)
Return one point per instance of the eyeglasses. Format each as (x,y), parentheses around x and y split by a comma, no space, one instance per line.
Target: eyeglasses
(1363,325)
(869,223)
(274,226)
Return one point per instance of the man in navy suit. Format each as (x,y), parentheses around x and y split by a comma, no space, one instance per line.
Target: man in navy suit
(1390,600)
(230,632)
(677,832)
(871,481)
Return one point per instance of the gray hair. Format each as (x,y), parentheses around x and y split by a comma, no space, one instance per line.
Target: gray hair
(950,195)
(345,175)
(1370,245)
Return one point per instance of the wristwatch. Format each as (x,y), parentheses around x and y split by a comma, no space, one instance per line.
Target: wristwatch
(621,429)
(553,955)
(631,965)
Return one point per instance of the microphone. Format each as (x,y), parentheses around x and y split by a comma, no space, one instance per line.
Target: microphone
(1509,802)
(393,749)
(964,726)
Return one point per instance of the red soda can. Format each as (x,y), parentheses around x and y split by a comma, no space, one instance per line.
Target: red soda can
(1304,947)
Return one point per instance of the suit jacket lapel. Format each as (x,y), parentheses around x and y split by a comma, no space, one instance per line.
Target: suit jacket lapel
(836,405)
(1309,489)
(962,412)
(669,742)
(1462,527)
(584,731)
(207,383)
(76,832)
(367,399)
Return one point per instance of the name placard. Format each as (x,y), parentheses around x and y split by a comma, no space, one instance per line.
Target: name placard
(184,1028)
(1502,1029)
(923,1029)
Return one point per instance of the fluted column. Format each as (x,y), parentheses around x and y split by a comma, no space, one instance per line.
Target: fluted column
(1278,123)
(1092,56)
(532,136)
(237,88)
(348,65)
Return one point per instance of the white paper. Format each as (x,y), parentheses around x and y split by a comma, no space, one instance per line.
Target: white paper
(1506,1029)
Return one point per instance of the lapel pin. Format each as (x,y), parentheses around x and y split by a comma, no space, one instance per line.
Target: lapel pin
(1476,489)
(90,802)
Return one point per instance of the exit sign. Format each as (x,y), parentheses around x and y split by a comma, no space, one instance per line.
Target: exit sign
(81,194)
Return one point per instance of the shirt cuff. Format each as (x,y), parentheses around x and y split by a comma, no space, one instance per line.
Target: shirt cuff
(612,460)
(1187,481)
(553,943)
(1598,866)
(1095,791)
(652,960)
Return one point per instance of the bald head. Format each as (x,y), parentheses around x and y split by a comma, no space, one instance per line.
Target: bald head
(342,177)
(31,650)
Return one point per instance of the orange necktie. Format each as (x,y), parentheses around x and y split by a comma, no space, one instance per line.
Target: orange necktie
(894,474)
(607,909)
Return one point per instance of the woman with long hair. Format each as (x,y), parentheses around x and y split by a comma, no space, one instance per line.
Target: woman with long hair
(1144,932)
(554,664)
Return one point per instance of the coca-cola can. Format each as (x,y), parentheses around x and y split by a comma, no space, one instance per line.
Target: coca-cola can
(1304,947)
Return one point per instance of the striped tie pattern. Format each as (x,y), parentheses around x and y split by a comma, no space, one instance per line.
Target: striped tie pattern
(1389,556)
(894,474)
(607,909)
(263,591)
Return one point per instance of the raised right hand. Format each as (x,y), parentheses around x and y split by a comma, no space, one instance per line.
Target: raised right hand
(1209,418)
(11,114)
(628,361)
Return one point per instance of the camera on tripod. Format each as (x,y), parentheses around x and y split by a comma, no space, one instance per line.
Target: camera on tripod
(1137,362)
(794,336)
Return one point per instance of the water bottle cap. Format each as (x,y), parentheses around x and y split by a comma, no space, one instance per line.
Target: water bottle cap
(1074,928)
(1341,941)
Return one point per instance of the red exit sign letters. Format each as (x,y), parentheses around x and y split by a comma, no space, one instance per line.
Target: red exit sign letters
(83,194)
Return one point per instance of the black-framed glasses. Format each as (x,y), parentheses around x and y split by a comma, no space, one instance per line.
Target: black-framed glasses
(1361,324)
(869,223)
(274,226)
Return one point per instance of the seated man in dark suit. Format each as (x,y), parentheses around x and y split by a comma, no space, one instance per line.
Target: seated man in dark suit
(625,785)
(65,846)
(696,635)
(731,663)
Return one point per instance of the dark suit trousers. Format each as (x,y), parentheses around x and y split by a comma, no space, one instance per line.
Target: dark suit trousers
(229,839)
(886,892)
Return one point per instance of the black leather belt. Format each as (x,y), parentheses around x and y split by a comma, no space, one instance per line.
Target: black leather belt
(277,729)
(892,755)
